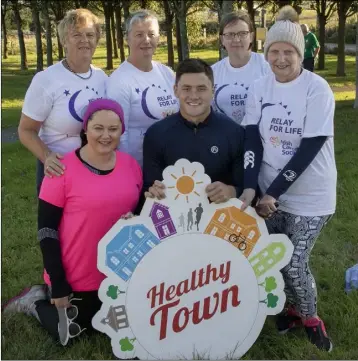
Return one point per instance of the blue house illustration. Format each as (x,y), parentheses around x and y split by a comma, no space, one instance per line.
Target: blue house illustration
(127,248)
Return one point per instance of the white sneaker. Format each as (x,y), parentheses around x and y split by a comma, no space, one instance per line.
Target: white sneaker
(24,302)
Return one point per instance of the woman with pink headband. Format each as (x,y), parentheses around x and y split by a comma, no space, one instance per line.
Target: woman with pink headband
(100,185)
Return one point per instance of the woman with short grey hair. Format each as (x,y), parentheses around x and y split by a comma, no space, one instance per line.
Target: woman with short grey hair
(142,86)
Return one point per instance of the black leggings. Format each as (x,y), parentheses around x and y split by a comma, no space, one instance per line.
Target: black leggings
(88,305)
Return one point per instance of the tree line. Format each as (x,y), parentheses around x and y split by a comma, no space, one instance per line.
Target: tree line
(45,15)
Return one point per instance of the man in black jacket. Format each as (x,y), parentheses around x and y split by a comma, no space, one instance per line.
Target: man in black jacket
(198,134)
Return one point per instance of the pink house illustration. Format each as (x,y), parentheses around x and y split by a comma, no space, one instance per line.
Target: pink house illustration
(162,220)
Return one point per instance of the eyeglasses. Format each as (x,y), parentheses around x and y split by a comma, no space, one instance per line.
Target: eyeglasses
(68,329)
(240,35)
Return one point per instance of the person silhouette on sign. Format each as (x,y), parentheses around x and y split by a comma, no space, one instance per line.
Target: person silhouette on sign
(190,219)
(199,211)
(181,222)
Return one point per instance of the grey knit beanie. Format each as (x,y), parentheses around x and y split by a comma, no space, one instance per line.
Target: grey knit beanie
(286,29)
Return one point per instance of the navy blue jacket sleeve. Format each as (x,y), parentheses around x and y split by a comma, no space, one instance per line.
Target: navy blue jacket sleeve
(303,157)
(153,163)
(252,156)
(238,163)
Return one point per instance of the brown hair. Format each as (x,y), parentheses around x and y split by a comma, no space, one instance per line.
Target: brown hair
(75,18)
(233,18)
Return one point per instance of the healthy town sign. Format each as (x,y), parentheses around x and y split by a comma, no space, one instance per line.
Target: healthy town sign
(186,281)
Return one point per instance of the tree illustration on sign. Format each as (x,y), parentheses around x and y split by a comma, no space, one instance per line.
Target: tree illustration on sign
(127,344)
(113,292)
(271,300)
(269,284)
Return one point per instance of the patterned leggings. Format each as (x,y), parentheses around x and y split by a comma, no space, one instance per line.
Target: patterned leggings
(300,286)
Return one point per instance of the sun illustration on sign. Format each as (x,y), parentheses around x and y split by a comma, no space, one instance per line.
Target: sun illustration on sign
(185,184)
(185,179)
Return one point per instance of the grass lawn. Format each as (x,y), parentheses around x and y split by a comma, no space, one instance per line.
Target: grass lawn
(336,249)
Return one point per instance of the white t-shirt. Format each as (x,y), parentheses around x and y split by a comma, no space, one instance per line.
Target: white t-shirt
(58,98)
(286,113)
(232,84)
(146,97)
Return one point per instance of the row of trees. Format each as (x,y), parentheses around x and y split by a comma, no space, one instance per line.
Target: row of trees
(45,14)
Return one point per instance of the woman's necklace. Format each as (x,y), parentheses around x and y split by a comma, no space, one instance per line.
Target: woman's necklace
(65,63)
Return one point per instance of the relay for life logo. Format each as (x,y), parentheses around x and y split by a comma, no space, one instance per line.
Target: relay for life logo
(187,279)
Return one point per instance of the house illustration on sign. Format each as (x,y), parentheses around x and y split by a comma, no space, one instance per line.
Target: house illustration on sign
(127,248)
(162,220)
(116,318)
(235,226)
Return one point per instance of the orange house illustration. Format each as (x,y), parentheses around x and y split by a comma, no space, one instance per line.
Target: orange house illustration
(236,227)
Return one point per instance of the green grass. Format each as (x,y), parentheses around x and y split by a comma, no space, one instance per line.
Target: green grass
(336,249)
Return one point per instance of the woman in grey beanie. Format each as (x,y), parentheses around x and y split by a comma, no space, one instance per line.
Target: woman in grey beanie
(289,157)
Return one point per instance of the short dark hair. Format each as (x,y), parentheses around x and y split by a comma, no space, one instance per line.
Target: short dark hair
(195,66)
(233,18)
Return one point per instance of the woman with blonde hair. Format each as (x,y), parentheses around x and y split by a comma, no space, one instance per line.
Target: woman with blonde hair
(51,118)
(143,87)
(234,74)
(289,154)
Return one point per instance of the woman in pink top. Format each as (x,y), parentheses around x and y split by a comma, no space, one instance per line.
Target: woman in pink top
(76,210)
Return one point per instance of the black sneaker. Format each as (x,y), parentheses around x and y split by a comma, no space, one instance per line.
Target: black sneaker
(287,320)
(317,334)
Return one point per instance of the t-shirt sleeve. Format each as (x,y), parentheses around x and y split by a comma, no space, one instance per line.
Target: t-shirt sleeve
(121,93)
(320,115)
(314,41)
(38,102)
(53,190)
(252,112)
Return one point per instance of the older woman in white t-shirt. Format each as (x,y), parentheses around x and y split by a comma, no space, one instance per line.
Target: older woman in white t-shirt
(142,86)
(289,153)
(234,74)
(51,119)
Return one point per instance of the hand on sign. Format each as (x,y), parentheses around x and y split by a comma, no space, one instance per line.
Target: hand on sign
(267,206)
(157,190)
(219,192)
(351,278)
(53,166)
(128,215)
(247,197)
(62,302)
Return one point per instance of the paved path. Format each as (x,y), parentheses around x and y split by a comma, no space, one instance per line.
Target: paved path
(349,47)
(9,135)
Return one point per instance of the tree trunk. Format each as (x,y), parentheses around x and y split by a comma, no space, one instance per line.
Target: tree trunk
(177,35)
(322,40)
(239,4)
(4,54)
(120,37)
(251,12)
(107,16)
(144,4)
(169,30)
(113,26)
(20,35)
(356,101)
(126,9)
(184,37)
(60,47)
(341,41)
(36,21)
(222,51)
(227,6)
(49,58)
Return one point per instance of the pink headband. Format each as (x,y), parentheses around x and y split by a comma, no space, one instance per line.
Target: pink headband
(103,104)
